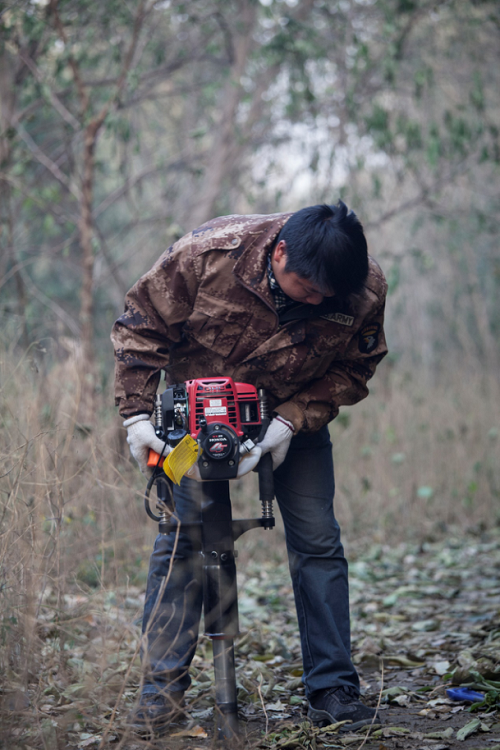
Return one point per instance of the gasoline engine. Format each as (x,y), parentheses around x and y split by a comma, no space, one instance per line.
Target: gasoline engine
(225,418)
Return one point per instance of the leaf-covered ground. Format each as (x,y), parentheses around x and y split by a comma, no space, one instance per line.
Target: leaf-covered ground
(424,618)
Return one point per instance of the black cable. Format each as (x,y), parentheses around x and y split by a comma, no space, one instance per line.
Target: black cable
(149,485)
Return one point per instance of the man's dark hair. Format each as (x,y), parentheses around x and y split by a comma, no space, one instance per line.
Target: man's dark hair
(326,245)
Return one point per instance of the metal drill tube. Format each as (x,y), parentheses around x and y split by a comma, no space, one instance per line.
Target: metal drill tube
(264,411)
(266,489)
(158,414)
(225,689)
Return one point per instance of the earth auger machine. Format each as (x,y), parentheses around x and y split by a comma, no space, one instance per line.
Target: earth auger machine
(210,424)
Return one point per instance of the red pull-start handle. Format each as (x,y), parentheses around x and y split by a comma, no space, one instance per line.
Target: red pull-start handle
(154,460)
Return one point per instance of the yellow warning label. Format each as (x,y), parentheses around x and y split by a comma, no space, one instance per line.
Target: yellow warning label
(181,459)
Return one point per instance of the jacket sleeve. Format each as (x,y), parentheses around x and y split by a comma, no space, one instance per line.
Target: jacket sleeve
(345,382)
(155,309)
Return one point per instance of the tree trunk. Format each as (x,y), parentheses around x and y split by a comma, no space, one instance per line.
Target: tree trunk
(86,230)
(8,103)
(87,403)
(221,157)
(231,140)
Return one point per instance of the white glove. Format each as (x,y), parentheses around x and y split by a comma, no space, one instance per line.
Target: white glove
(248,461)
(277,440)
(194,473)
(141,438)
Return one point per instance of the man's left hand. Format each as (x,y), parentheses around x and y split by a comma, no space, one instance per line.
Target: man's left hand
(248,462)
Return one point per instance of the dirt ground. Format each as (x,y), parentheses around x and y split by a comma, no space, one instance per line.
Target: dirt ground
(425,617)
(400,729)
(405,728)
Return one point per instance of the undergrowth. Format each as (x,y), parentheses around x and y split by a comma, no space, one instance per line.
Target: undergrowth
(410,464)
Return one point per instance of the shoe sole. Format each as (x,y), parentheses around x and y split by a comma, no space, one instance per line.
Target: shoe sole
(324,719)
(148,730)
(151,728)
(156,727)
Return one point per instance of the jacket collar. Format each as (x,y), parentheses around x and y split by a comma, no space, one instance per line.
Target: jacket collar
(251,267)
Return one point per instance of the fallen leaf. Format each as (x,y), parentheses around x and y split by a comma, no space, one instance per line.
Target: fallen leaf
(88,741)
(446,734)
(425,626)
(278,706)
(402,700)
(439,702)
(403,661)
(468,729)
(441,667)
(397,694)
(205,713)
(195,731)
(332,728)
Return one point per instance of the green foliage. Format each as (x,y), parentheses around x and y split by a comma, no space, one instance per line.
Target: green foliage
(423,78)
(344,419)
(377,123)
(89,574)
(389,103)
(393,277)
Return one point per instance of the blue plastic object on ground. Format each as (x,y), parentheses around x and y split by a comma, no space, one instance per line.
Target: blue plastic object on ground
(464,694)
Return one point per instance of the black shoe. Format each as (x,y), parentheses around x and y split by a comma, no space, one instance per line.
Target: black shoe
(340,704)
(155,711)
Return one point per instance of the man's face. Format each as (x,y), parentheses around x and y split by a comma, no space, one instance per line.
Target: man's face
(297,288)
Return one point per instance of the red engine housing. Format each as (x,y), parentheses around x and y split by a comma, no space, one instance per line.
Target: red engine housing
(222,401)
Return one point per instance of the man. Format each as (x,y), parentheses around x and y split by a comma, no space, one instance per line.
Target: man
(291,303)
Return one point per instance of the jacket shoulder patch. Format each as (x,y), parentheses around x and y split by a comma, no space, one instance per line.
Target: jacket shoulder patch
(368,338)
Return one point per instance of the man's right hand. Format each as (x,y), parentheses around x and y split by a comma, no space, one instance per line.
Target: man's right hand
(277,440)
(142,438)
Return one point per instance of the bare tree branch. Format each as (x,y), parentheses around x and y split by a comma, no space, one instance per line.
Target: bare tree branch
(54,100)
(113,266)
(423,197)
(17,267)
(50,208)
(138,24)
(48,163)
(67,319)
(182,163)
(82,91)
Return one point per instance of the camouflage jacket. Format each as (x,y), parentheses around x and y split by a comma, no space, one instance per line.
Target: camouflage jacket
(205,309)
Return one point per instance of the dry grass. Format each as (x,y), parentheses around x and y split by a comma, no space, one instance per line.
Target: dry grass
(73,531)
(71,523)
(413,461)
